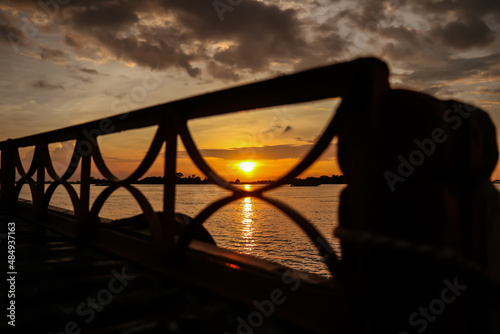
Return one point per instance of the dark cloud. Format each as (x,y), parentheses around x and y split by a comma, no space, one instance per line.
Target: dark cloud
(89,71)
(409,46)
(464,35)
(464,8)
(57,56)
(369,15)
(75,71)
(272,152)
(45,85)
(84,46)
(488,90)
(460,24)
(455,69)
(149,52)
(426,46)
(310,141)
(432,90)
(288,128)
(118,96)
(327,45)
(251,37)
(442,91)
(113,27)
(275,152)
(86,80)
(259,33)
(8,32)
(402,33)
(106,15)
(432,34)
(71,41)
(224,73)
(257,37)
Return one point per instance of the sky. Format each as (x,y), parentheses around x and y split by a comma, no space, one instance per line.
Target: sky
(64,62)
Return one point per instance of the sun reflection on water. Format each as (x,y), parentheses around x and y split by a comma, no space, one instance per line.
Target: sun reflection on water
(247,228)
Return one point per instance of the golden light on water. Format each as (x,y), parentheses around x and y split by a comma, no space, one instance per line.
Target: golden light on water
(247,222)
(247,166)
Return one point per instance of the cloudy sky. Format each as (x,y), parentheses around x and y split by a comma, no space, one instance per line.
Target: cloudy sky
(65,62)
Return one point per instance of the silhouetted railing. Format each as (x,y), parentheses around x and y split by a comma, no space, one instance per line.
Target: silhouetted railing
(171,119)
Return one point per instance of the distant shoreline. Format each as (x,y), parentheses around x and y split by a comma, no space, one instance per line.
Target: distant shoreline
(334,179)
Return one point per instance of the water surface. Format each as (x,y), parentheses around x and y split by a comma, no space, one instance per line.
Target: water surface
(248,225)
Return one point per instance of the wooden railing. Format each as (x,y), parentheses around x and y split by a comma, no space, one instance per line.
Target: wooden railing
(337,80)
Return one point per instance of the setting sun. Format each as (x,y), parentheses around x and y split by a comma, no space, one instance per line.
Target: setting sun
(247,166)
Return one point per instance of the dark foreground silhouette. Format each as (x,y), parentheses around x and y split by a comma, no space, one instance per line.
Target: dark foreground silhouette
(418,171)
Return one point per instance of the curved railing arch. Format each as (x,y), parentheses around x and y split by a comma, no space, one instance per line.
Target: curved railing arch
(59,180)
(322,246)
(150,215)
(69,189)
(146,163)
(25,176)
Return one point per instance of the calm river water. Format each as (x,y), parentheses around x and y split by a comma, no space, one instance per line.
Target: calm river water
(248,225)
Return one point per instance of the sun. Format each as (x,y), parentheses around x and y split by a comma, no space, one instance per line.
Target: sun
(247,166)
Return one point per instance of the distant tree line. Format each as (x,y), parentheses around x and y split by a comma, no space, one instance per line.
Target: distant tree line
(180,179)
(193,179)
(324,179)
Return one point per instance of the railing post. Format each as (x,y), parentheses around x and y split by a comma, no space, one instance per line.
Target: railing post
(8,178)
(169,183)
(40,180)
(84,203)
